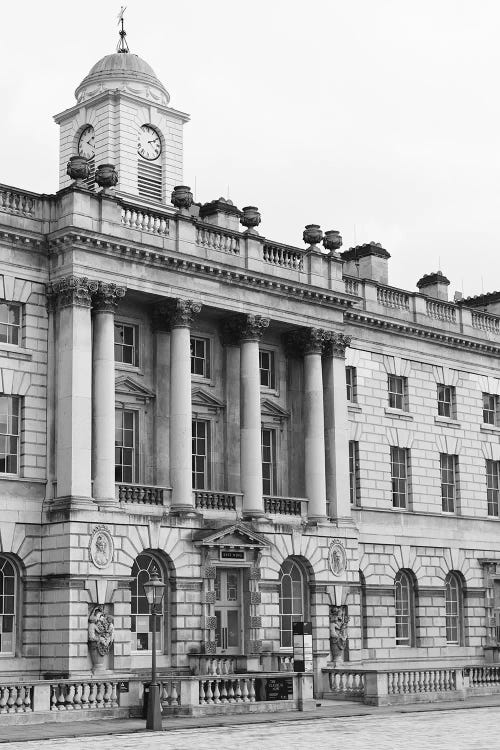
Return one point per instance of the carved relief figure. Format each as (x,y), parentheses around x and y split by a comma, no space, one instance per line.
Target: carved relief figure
(101,634)
(339,620)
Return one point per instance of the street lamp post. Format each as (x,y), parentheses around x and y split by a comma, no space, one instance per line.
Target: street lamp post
(154,590)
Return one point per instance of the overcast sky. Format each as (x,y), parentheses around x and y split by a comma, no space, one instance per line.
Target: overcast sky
(379,118)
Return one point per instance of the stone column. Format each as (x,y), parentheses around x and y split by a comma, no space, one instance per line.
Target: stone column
(162,402)
(178,318)
(336,426)
(72,296)
(249,329)
(309,342)
(104,301)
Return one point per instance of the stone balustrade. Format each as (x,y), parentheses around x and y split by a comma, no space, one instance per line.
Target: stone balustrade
(145,220)
(16,699)
(213,665)
(142,494)
(351,285)
(217,239)
(87,694)
(485,322)
(390,297)
(17,202)
(441,310)
(283,255)
(285,663)
(285,506)
(239,689)
(170,692)
(222,501)
(346,684)
(421,681)
(482,676)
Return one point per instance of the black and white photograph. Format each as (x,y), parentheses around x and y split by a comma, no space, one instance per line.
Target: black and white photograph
(250,375)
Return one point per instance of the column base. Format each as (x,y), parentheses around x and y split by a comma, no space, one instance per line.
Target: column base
(108,503)
(184,510)
(254,515)
(72,502)
(316,520)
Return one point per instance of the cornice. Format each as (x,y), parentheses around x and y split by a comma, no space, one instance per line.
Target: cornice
(151,256)
(412,330)
(27,241)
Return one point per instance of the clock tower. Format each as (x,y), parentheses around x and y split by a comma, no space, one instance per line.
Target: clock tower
(122,117)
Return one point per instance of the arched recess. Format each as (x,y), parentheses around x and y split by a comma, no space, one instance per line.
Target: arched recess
(140,626)
(295,597)
(405,607)
(11,605)
(454,587)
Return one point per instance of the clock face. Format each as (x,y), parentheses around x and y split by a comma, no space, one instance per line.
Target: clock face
(86,143)
(149,145)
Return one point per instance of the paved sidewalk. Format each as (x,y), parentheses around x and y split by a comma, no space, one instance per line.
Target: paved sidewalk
(326,709)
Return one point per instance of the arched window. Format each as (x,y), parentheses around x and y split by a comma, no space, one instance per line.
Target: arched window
(454,609)
(293,599)
(8,586)
(142,570)
(405,609)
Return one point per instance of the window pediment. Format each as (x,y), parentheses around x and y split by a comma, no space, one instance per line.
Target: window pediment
(272,412)
(201,399)
(131,388)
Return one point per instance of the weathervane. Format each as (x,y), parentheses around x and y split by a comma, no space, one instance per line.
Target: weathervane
(122,44)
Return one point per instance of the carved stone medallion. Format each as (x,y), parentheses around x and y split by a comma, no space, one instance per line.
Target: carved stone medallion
(101,547)
(337,559)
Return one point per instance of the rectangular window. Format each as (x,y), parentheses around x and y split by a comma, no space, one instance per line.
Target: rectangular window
(492,486)
(397,392)
(350,379)
(490,409)
(126,344)
(9,434)
(448,482)
(446,400)
(126,446)
(268,443)
(200,454)
(267,369)
(354,472)
(399,477)
(10,323)
(200,357)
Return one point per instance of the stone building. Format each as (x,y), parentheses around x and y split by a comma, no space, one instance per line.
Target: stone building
(277,431)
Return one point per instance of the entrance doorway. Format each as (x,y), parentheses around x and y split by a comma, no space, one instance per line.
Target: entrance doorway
(228,611)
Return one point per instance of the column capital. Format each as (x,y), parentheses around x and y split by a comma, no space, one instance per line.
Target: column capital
(175,313)
(71,291)
(335,344)
(105,299)
(305,341)
(243,327)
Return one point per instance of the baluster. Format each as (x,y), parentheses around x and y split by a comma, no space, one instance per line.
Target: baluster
(238,692)
(12,700)
(405,682)
(216,691)
(27,699)
(85,694)
(77,702)
(163,691)
(70,694)
(61,700)
(114,695)
(208,693)
(244,690)
(175,699)
(223,692)
(251,690)
(230,692)
(100,695)
(107,693)
(53,699)
(202,693)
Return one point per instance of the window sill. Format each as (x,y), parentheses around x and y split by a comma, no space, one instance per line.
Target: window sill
(398,414)
(128,368)
(353,407)
(18,351)
(490,428)
(202,381)
(447,422)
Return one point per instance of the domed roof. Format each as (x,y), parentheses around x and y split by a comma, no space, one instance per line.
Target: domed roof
(124,71)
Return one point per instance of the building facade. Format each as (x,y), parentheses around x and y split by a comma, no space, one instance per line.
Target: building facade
(276,431)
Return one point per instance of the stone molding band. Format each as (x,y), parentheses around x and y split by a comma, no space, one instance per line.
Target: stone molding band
(80,291)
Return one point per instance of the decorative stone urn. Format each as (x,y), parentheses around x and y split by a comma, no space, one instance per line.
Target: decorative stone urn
(332,240)
(106,176)
(100,636)
(312,234)
(251,217)
(182,197)
(78,169)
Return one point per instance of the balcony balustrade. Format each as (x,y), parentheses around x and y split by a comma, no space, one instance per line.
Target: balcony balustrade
(142,494)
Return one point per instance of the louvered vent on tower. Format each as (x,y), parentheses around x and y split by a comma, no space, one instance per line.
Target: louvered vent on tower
(90,181)
(149,180)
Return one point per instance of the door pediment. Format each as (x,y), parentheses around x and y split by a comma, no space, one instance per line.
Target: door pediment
(236,536)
